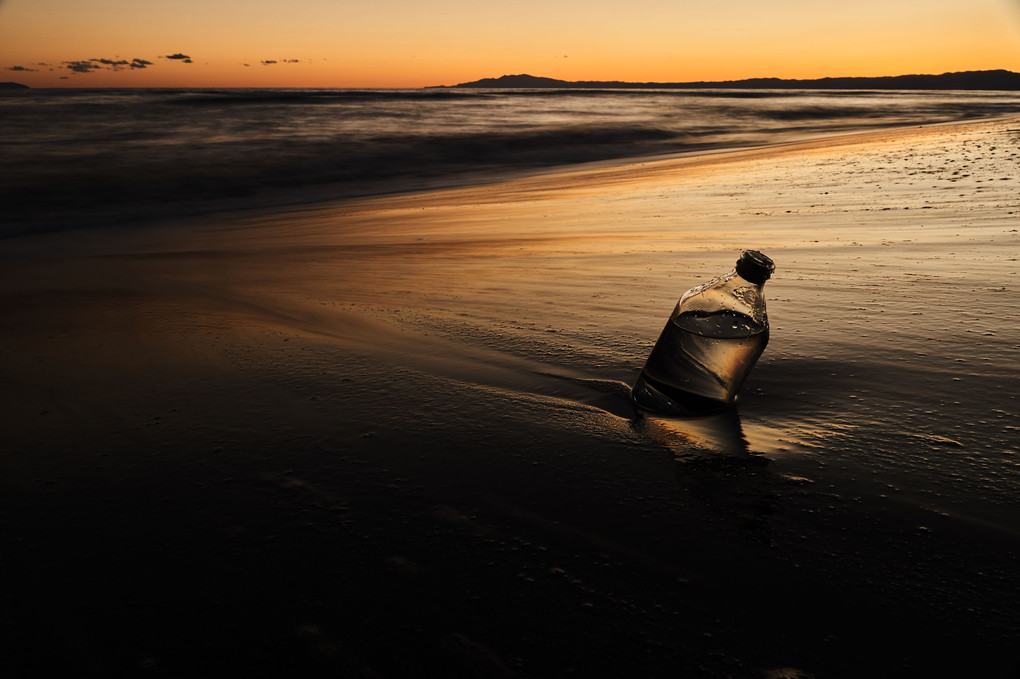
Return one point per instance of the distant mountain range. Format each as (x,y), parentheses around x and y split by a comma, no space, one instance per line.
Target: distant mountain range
(963,80)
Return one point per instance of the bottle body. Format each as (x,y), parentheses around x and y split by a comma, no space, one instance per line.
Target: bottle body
(708,346)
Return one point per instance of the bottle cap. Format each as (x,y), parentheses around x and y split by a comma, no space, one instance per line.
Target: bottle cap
(754,266)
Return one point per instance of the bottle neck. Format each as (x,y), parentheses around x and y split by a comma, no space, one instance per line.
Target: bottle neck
(751,273)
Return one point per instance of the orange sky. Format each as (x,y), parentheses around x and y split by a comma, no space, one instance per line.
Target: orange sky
(405,43)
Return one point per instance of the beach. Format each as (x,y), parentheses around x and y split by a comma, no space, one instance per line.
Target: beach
(391,436)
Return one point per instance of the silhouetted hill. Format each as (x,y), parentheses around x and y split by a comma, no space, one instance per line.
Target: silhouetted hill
(512,81)
(13,86)
(963,80)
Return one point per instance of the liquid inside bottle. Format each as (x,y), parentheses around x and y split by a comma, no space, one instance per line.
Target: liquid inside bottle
(700,361)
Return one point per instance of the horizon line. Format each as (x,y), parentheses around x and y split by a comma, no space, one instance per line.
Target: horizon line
(643,83)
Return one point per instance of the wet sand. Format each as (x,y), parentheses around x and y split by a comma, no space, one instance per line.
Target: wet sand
(391,436)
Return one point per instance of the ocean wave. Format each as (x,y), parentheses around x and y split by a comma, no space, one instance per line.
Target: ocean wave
(83,156)
(306,97)
(138,181)
(922,113)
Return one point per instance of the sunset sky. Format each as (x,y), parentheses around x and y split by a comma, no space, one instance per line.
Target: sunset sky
(405,43)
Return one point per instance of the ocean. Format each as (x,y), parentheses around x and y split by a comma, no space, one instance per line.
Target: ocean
(74,158)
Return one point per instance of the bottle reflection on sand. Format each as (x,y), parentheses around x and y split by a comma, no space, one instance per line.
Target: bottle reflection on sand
(717,433)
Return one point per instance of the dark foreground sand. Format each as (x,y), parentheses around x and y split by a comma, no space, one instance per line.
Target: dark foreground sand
(391,438)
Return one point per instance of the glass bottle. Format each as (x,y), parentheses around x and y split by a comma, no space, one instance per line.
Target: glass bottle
(710,343)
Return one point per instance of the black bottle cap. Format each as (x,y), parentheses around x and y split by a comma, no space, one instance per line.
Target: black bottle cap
(755,267)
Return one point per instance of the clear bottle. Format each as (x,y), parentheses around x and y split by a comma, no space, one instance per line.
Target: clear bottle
(710,343)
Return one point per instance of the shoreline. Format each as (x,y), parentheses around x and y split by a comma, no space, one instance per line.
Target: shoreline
(310,197)
(576,180)
(611,170)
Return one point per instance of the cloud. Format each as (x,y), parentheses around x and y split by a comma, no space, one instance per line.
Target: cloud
(266,62)
(177,56)
(21,68)
(83,66)
(292,61)
(114,65)
(90,65)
